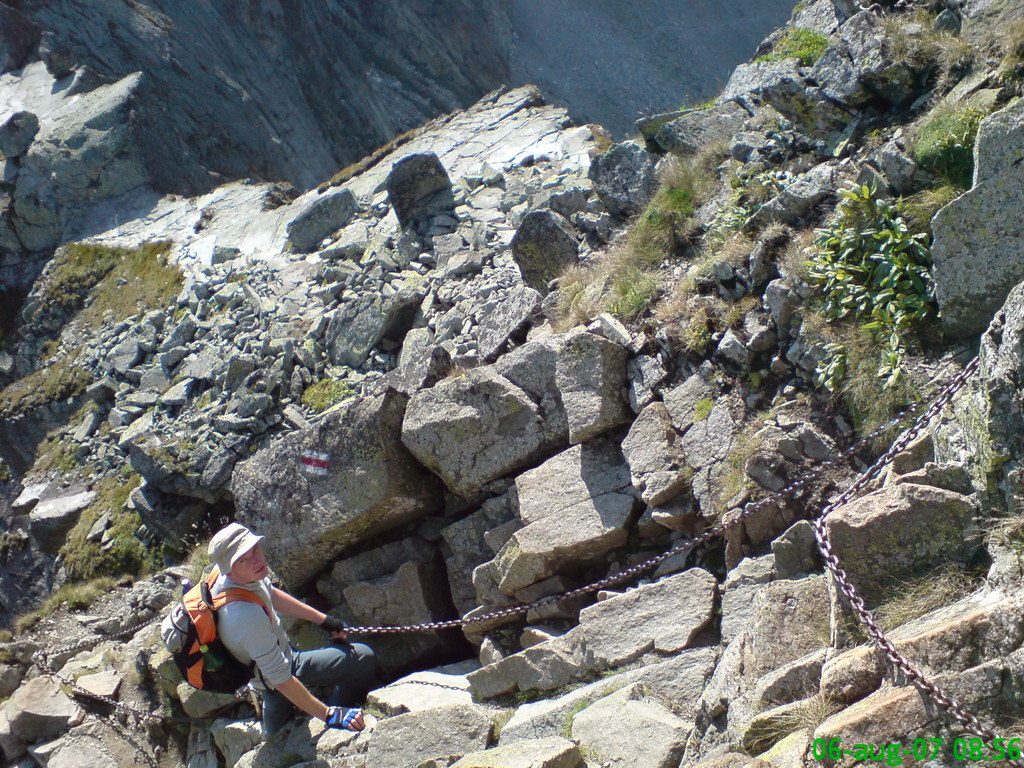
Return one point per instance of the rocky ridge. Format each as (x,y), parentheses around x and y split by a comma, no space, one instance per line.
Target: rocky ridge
(489,456)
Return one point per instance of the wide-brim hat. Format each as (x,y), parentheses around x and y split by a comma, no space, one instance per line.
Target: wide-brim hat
(230,543)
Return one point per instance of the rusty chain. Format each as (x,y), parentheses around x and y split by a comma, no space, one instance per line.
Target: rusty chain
(947,702)
(969,721)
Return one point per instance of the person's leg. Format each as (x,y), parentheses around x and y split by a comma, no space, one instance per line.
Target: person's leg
(277,711)
(347,670)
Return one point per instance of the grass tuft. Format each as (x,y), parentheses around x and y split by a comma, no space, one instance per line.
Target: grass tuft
(75,596)
(326,393)
(943,143)
(797,43)
(806,715)
(912,599)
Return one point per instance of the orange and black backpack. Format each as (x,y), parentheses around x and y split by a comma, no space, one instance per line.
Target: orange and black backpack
(190,634)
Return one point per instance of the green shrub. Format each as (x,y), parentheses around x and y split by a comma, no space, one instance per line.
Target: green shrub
(325,393)
(797,43)
(5,472)
(944,143)
(873,270)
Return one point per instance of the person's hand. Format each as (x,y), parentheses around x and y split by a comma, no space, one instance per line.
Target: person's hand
(337,628)
(348,719)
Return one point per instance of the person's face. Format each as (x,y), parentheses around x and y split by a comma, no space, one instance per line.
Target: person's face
(250,567)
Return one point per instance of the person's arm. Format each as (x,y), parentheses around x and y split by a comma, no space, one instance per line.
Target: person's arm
(291,606)
(299,695)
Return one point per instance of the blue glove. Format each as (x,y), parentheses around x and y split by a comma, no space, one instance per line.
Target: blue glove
(342,717)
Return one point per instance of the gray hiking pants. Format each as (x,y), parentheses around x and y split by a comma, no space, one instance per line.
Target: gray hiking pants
(343,674)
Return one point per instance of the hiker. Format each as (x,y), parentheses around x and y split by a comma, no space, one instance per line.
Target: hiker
(253,634)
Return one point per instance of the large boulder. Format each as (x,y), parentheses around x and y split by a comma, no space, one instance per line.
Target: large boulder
(975,236)
(701,127)
(665,617)
(591,376)
(17,132)
(575,507)
(324,216)
(552,752)
(897,531)
(628,729)
(543,246)
(472,429)
(40,710)
(624,178)
(415,593)
(656,461)
(532,368)
(511,315)
(52,518)
(406,741)
(332,485)
(472,541)
(418,186)
(360,325)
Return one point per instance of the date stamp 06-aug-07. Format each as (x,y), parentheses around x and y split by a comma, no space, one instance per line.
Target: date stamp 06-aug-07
(972,749)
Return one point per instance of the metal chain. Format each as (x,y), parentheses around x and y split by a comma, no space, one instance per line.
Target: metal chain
(948,703)
(42,660)
(749,509)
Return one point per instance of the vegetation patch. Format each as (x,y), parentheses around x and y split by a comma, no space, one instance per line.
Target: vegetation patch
(58,381)
(874,274)
(75,596)
(326,393)
(117,280)
(119,552)
(797,43)
(734,479)
(804,715)
(940,55)
(920,208)
(943,143)
(702,409)
(5,472)
(624,280)
(912,599)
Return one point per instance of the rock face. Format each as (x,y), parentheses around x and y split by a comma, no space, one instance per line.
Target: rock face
(473,429)
(898,530)
(576,506)
(976,263)
(345,479)
(330,110)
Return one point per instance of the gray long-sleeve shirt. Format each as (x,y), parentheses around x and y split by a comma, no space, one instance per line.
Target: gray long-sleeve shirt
(245,630)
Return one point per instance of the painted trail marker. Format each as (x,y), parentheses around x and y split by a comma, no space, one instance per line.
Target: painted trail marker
(316,463)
